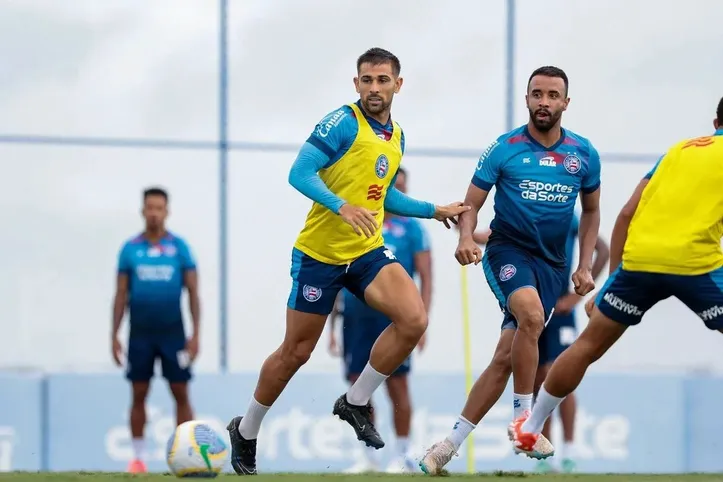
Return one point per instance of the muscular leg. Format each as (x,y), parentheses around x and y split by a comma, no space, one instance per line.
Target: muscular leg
(486,391)
(394,294)
(490,385)
(568,370)
(526,307)
(179,390)
(303,331)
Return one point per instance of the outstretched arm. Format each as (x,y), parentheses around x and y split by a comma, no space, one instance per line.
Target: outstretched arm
(396,202)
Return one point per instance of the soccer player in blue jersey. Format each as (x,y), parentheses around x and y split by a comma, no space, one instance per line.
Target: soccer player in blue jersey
(362,325)
(347,167)
(538,170)
(559,333)
(154,267)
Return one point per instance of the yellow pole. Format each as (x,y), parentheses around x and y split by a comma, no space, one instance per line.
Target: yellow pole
(467,361)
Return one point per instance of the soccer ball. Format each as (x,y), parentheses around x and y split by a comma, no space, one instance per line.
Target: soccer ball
(196,450)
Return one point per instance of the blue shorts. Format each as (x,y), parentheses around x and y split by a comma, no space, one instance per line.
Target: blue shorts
(627,295)
(559,333)
(359,334)
(509,268)
(145,348)
(316,284)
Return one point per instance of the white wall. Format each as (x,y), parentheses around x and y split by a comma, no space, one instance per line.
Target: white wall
(116,69)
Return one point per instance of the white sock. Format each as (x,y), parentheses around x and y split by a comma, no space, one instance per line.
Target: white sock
(402,446)
(361,391)
(139,448)
(461,430)
(521,403)
(568,449)
(251,423)
(546,404)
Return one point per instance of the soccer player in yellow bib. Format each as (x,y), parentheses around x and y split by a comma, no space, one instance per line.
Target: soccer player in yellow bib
(666,242)
(348,167)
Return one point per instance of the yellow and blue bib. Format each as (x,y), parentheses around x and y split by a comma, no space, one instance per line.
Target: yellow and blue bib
(361,177)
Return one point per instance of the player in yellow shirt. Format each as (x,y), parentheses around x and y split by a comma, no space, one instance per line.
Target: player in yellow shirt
(348,167)
(666,242)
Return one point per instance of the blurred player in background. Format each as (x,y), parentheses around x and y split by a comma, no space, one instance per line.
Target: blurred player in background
(362,325)
(153,269)
(666,242)
(348,167)
(559,333)
(538,170)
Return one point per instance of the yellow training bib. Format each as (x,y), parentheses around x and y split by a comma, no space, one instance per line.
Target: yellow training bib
(361,177)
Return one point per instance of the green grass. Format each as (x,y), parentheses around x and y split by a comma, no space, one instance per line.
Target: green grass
(492,477)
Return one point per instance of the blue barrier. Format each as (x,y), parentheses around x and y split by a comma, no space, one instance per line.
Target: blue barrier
(626,423)
(20,422)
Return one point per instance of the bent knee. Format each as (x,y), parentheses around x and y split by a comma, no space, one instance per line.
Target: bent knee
(530,319)
(413,323)
(297,354)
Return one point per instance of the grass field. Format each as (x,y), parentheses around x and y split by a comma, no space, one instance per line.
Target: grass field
(496,477)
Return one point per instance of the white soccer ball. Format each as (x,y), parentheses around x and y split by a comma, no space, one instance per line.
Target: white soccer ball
(196,450)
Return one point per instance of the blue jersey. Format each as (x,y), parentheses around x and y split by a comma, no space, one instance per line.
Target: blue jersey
(155,279)
(569,250)
(405,237)
(536,189)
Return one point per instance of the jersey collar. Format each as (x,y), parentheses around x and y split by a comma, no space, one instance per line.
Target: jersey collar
(553,147)
(166,237)
(719,132)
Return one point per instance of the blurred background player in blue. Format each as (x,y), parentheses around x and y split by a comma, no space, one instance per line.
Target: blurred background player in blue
(154,267)
(560,332)
(539,170)
(362,325)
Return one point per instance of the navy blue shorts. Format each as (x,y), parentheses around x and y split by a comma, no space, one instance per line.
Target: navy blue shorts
(509,268)
(145,348)
(359,334)
(316,284)
(627,295)
(559,333)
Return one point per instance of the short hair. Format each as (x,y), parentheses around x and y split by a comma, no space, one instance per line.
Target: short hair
(719,112)
(155,191)
(377,56)
(550,71)
(401,170)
